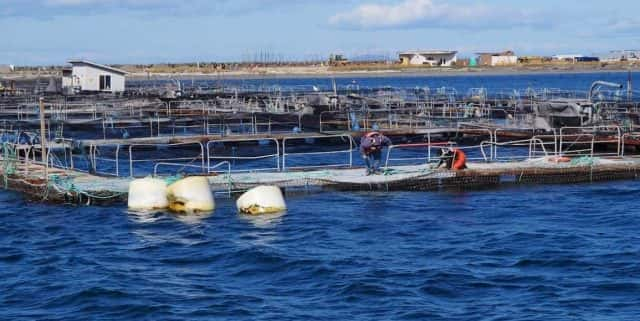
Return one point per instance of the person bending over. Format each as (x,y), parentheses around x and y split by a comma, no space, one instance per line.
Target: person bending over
(371,146)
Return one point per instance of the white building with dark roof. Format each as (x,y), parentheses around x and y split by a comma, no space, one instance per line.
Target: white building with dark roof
(444,58)
(87,76)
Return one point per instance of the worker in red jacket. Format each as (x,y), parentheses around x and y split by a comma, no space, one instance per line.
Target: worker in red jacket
(453,159)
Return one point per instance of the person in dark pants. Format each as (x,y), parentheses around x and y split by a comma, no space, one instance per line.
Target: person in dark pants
(371,146)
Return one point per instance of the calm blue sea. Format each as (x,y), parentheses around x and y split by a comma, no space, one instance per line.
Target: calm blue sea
(493,83)
(539,252)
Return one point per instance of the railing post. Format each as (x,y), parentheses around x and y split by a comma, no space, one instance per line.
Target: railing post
(201,156)
(428,147)
(43,141)
(71,157)
(284,154)
(620,141)
(277,152)
(560,151)
(117,160)
(351,151)
(130,161)
(208,158)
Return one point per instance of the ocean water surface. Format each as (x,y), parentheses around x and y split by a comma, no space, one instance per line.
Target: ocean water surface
(493,83)
(555,252)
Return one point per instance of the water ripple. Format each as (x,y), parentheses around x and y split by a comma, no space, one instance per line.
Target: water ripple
(560,252)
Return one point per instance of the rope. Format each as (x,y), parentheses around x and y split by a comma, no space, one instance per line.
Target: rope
(230,182)
(65,185)
(172,179)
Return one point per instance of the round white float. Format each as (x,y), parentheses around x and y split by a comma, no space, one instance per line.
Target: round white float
(147,194)
(261,200)
(191,194)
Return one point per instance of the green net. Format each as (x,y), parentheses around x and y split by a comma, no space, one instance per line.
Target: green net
(584,161)
(9,157)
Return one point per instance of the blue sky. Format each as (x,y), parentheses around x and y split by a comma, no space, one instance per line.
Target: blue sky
(147,31)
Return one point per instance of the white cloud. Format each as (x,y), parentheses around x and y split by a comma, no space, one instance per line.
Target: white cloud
(431,13)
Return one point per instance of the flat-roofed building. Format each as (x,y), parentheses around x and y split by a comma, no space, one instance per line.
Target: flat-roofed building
(505,58)
(444,58)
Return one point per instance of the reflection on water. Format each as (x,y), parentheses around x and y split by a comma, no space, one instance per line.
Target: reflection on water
(264,220)
(145,217)
(191,218)
(264,233)
(151,226)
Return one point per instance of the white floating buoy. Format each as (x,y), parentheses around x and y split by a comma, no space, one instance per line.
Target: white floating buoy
(191,194)
(261,200)
(147,194)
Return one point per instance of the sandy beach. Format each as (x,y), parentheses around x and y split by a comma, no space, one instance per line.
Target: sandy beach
(380,71)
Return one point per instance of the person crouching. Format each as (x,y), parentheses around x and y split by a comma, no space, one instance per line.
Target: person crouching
(371,146)
(452,159)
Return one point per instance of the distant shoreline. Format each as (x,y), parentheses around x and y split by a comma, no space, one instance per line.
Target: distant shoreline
(232,75)
(309,72)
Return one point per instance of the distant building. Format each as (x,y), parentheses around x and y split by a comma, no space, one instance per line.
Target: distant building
(338,60)
(534,59)
(444,58)
(87,76)
(5,69)
(569,58)
(505,58)
(587,59)
(622,55)
(573,58)
(463,62)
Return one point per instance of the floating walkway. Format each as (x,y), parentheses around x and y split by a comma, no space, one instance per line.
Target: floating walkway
(74,187)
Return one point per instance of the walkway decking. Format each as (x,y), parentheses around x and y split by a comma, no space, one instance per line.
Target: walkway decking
(69,186)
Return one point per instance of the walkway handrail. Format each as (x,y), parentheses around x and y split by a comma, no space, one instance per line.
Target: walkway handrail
(624,136)
(131,160)
(227,158)
(210,169)
(428,145)
(93,148)
(182,166)
(349,151)
(595,128)
(531,143)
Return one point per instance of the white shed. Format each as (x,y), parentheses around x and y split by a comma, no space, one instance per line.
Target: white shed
(85,76)
(7,68)
(428,57)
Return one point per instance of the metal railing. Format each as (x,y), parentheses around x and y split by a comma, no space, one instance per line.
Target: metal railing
(592,132)
(166,160)
(349,152)
(427,158)
(531,143)
(275,156)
